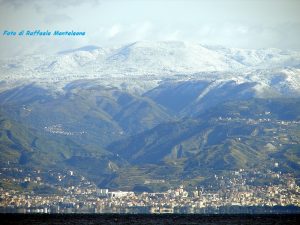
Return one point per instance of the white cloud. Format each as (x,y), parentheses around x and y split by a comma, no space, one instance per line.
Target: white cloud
(42,3)
(247,24)
(113,31)
(143,30)
(57,18)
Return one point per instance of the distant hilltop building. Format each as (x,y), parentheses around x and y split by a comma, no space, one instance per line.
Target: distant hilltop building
(120,194)
(102,192)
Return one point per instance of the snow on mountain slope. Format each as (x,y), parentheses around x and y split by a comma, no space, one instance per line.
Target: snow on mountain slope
(262,58)
(141,66)
(285,81)
(170,57)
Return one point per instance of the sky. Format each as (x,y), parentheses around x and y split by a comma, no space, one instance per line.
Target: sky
(230,23)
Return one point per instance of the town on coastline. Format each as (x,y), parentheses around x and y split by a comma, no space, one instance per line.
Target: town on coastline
(233,193)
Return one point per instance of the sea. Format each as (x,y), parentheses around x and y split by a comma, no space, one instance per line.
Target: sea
(144,219)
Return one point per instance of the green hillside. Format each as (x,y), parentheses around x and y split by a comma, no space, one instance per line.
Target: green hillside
(124,140)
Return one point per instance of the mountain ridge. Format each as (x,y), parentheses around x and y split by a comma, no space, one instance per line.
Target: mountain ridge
(171,111)
(141,66)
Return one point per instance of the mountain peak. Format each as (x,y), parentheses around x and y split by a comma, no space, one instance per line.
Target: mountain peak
(146,63)
(87,48)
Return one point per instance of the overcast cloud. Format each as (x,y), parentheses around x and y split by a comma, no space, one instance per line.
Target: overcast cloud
(232,23)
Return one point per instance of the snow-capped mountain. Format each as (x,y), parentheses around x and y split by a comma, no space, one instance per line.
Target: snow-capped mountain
(141,66)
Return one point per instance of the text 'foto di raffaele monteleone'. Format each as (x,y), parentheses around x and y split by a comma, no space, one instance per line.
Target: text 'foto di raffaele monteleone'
(44,33)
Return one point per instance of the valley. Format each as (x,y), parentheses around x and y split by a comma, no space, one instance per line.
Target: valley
(151,115)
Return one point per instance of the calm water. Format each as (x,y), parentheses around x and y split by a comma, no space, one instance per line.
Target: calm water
(92,219)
